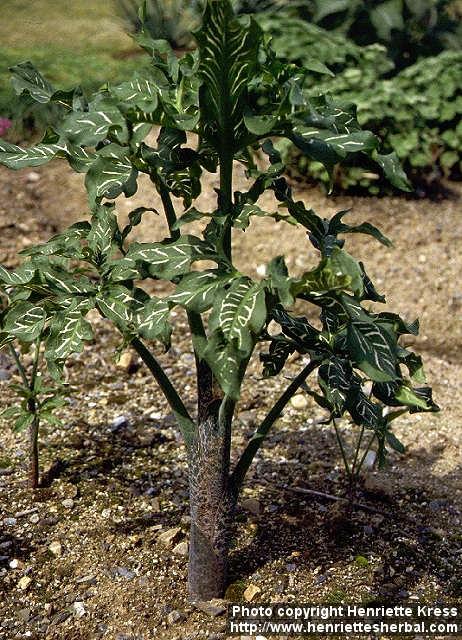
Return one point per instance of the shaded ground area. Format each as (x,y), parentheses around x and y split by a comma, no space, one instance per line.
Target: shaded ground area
(118,484)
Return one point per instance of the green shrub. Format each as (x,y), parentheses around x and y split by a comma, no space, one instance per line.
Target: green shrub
(418,113)
(410,29)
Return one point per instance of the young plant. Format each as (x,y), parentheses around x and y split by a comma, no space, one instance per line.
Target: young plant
(232,92)
(38,403)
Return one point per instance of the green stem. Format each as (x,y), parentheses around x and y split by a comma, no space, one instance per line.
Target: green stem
(358,446)
(185,422)
(21,369)
(366,451)
(226,200)
(254,444)
(169,210)
(342,449)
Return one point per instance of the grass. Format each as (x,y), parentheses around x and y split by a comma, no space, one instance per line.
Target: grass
(83,44)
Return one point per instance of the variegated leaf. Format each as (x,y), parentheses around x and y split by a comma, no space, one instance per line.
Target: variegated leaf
(111,174)
(90,127)
(68,331)
(336,379)
(27,79)
(138,93)
(170,259)
(118,304)
(15,157)
(240,313)
(152,321)
(373,350)
(25,321)
(21,275)
(228,55)
(225,360)
(196,291)
(102,233)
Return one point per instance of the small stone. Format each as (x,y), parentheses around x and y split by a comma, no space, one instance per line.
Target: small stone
(127,362)
(14,564)
(212,608)
(33,176)
(24,583)
(106,513)
(370,459)
(174,617)
(125,573)
(10,521)
(79,609)
(252,506)
(119,422)
(251,592)
(56,548)
(299,401)
(34,519)
(24,614)
(261,270)
(169,537)
(68,503)
(181,549)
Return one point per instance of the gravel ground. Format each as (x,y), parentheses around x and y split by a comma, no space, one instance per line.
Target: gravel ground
(85,556)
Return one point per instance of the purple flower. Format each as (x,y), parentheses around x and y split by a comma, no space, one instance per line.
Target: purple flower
(5,124)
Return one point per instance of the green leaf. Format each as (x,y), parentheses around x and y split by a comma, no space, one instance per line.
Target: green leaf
(139,93)
(228,56)
(406,395)
(24,421)
(15,157)
(152,320)
(68,332)
(342,264)
(336,378)
(280,282)
(101,237)
(393,170)
(372,349)
(26,79)
(25,321)
(168,259)
(225,360)
(279,350)
(240,313)
(118,304)
(10,412)
(88,128)
(111,174)
(394,443)
(21,275)
(197,290)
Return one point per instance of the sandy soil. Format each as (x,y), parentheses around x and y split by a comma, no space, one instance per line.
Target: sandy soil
(115,490)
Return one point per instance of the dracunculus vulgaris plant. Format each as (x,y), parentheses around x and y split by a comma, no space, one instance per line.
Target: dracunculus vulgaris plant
(238,99)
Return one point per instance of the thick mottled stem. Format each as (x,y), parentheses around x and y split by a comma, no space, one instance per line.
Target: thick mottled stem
(212,509)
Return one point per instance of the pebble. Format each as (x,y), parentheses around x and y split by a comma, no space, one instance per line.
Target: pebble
(252,506)
(24,614)
(299,401)
(9,521)
(125,573)
(127,362)
(33,176)
(181,549)
(34,519)
(56,548)
(169,537)
(174,617)
(212,608)
(68,503)
(251,592)
(79,609)
(24,583)
(119,422)
(14,564)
